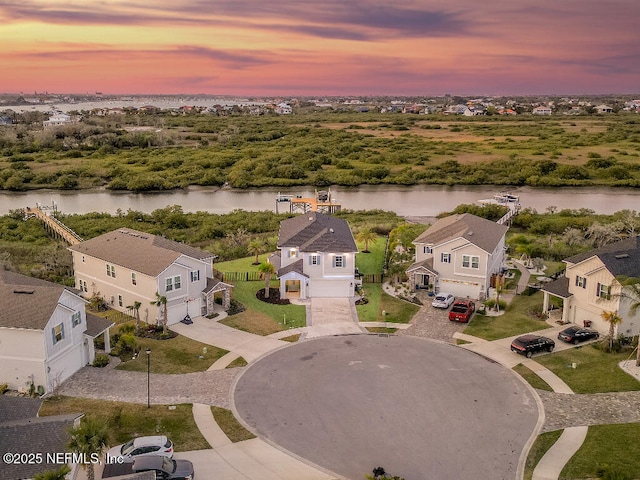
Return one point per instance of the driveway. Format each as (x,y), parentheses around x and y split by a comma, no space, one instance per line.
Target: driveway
(414,406)
(332,316)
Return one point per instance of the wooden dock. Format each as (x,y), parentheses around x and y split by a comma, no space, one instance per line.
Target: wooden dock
(322,202)
(53,225)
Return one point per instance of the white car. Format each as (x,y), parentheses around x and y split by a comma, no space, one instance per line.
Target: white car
(156,445)
(443,300)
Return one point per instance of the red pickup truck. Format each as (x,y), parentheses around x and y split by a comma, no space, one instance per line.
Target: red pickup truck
(461,311)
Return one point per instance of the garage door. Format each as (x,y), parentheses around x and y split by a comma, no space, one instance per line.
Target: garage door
(333,288)
(460,289)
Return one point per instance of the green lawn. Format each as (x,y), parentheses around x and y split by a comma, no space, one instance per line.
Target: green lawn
(127,420)
(543,443)
(514,321)
(241,264)
(532,378)
(287,316)
(397,311)
(596,371)
(614,445)
(371,262)
(230,426)
(174,355)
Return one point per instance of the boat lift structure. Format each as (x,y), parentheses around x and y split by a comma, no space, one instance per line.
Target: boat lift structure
(323,202)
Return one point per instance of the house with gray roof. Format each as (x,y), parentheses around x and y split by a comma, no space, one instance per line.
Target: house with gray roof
(592,284)
(45,333)
(317,257)
(125,266)
(458,254)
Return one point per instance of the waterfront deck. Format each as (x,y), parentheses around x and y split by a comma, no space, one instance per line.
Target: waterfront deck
(53,225)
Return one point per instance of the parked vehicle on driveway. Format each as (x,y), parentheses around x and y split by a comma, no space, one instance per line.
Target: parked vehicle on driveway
(462,311)
(443,300)
(141,446)
(527,345)
(164,467)
(576,334)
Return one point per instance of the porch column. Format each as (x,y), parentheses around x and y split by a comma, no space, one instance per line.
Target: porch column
(227,300)
(545,304)
(107,341)
(565,310)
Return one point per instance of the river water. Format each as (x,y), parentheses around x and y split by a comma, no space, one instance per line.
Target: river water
(406,201)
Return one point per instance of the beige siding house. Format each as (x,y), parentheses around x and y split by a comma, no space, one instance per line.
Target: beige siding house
(45,334)
(589,286)
(317,257)
(459,254)
(127,266)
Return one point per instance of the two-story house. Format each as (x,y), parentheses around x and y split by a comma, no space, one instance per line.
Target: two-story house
(45,334)
(317,257)
(458,255)
(590,286)
(127,266)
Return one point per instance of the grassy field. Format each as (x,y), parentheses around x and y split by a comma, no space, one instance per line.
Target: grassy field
(543,443)
(514,321)
(615,446)
(371,262)
(241,264)
(532,378)
(397,310)
(174,355)
(230,426)
(596,371)
(127,420)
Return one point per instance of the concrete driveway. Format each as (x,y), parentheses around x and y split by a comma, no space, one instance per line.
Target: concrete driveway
(419,408)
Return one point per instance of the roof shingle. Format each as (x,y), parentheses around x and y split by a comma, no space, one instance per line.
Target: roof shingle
(316,232)
(479,231)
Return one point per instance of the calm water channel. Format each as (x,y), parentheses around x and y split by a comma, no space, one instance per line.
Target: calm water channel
(416,200)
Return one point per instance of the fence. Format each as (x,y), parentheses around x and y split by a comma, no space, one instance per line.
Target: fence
(372,278)
(240,276)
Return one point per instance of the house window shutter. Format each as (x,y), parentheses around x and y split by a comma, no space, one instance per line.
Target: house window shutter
(310,259)
(53,335)
(584,282)
(333,263)
(598,290)
(62,330)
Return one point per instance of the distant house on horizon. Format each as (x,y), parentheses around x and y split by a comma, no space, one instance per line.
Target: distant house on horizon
(542,110)
(57,119)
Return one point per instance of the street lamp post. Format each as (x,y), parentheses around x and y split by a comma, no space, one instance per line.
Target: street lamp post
(148,378)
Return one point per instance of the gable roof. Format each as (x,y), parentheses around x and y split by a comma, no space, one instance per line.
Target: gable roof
(479,231)
(620,258)
(139,251)
(27,302)
(297,267)
(316,232)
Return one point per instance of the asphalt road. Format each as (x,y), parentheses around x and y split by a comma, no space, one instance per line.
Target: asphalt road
(419,408)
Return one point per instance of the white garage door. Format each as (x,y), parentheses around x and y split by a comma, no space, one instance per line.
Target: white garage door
(331,288)
(460,289)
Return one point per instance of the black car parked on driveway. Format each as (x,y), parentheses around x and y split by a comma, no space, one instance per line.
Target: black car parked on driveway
(529,344)
(576,334)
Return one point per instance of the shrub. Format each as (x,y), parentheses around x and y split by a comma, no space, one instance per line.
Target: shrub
(3,388)
(235,307)
(101,360)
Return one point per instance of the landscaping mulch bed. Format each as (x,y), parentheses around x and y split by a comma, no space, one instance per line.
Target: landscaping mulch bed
(274,297)
(155,333)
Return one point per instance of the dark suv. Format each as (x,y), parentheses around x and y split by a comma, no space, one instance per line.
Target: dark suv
(529,344)
(164,467)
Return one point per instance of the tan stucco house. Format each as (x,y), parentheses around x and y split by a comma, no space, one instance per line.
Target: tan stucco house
(458,255)
(126,266)
(589,286)
(45,333)
(317,257)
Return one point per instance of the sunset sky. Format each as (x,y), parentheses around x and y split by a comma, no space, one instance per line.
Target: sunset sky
(329,47)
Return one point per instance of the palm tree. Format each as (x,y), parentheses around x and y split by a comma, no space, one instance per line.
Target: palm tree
(161,302)
(267,269)
(631,291)
(255,248)
(613,319)
(90,438)
(365,236)
(136,308)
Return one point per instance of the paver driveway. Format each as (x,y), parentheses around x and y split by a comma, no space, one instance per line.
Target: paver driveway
(419,408)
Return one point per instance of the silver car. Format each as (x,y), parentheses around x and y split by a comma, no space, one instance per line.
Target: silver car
(443,300)
(155,445)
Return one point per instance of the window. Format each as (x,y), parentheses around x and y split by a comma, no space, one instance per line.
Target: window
(581,281)
(82,285)
(604,291)
(426,249)
(470,261)
(134,280)
(314,260)
(111,271)
(338,261)
(58,333)
(293,253)
(76,319)
(120,301)
(195,275)
(173,283)
(82,258)
(445,257)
